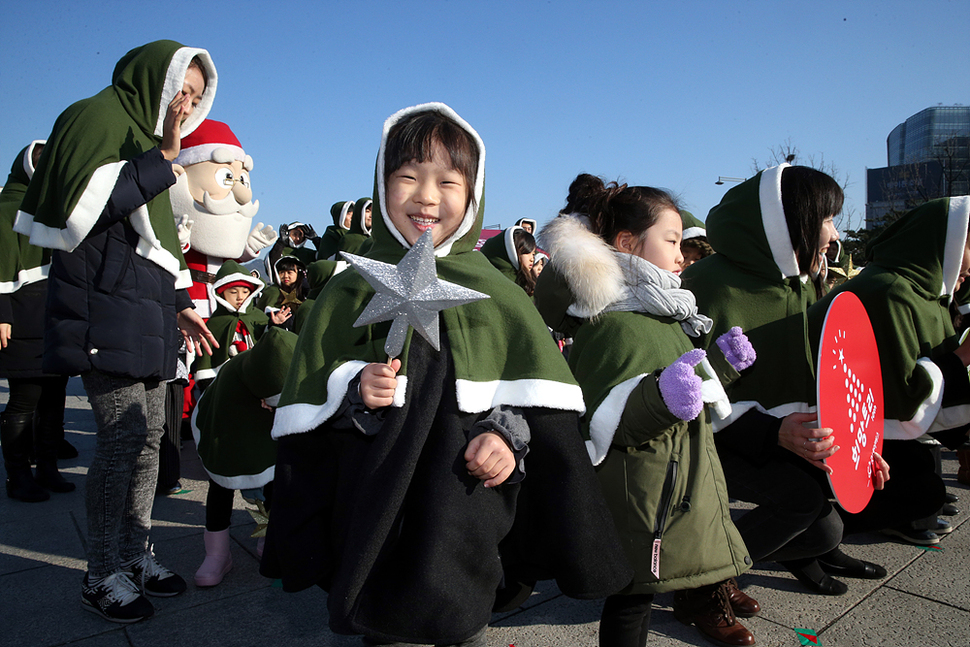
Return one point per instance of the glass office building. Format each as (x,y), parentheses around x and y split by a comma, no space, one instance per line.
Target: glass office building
(918,138)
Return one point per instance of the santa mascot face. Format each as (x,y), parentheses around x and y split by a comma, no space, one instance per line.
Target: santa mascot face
(214,191)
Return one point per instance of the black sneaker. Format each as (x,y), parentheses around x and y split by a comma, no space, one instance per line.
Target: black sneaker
(116,598)
(153,578)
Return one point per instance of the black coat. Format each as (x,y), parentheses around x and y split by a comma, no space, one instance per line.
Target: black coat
(108,308)
(408,545)
(24,310)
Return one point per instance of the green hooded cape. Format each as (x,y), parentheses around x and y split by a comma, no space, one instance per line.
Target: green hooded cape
(911,272)
(230,425)
(500,252)
(754,282)
(501,350)
(92,141)
(20,262)
(224,320)
(329,243)
(693,227)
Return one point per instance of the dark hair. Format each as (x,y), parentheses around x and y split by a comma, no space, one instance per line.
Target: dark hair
(525,243)
(197,62)
(414,137)
(613,207)
(808,197)
(584,185)
(700,244)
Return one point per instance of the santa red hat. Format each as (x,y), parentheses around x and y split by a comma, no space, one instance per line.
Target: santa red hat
(204,141)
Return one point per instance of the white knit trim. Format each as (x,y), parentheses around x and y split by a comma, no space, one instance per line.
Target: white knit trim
(927,412)
(476,397)
(84,216)
(606,418)
(774,223)
(29,157)
(694,232)
(301,417)
(25,277)
(175,79)
(471,214)
(957,222)
(510,250)
(738,409)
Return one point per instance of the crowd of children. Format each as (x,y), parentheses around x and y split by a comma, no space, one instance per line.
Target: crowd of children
(424,491)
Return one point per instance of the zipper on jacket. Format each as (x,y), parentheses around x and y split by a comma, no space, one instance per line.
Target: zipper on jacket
(665,495)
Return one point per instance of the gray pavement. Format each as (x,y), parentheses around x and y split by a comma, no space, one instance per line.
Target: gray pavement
(925,600)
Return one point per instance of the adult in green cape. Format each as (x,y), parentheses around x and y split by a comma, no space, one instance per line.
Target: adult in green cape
(340,493)
(913,269)
(649,433)
(99,198)
(23,291)
(771,232)
(94,139)
(329,243)
(236,329)
(512,253)
(231,426)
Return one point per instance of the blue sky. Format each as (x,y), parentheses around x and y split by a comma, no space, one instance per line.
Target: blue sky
(663,94)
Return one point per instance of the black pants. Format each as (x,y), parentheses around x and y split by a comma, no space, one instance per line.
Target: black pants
(625,621)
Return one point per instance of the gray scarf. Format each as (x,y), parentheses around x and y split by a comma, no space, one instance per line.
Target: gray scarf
(655,291)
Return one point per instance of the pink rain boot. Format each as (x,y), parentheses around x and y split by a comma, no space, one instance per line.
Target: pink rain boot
(218,560)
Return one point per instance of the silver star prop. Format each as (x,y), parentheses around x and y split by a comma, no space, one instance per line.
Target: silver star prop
(410,294)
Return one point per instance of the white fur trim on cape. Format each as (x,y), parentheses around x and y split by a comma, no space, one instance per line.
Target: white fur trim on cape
(301,417)
(738,409)
(471,214)
(25,277)
(587,263)
(240,482)
(343,215)
(694,232)
(510,250)
(29,157)
(175,79)
(774,223)
(476,397)
(84,216)
(957,222)
(927,412)
(606,418)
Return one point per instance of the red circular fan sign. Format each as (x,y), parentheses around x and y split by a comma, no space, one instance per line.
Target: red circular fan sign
(850,398)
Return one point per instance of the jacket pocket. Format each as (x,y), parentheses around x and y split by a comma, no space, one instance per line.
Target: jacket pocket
(114,265)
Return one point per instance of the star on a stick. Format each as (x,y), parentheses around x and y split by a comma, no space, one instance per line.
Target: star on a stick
(409,294)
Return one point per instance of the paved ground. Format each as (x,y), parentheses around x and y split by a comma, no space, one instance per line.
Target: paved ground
(925,601)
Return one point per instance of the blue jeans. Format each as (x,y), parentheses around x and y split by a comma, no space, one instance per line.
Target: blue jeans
(130,415)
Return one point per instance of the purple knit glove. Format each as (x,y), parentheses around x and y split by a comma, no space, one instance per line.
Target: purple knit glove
(737,350)
(680,386)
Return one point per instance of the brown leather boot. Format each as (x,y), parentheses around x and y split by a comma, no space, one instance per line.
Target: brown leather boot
(743,605)
(708,609)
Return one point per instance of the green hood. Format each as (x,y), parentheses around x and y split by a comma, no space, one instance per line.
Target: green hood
(500,252)
(753,282)
(357,221)
(92,141)
(339,211)
(501,350)
(925,246)
(748,226)
(20,262)
(693,226)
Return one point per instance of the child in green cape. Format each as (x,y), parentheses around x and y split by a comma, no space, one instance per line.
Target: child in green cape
(920,257)
(513,254)
(771,233)
(397,485)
